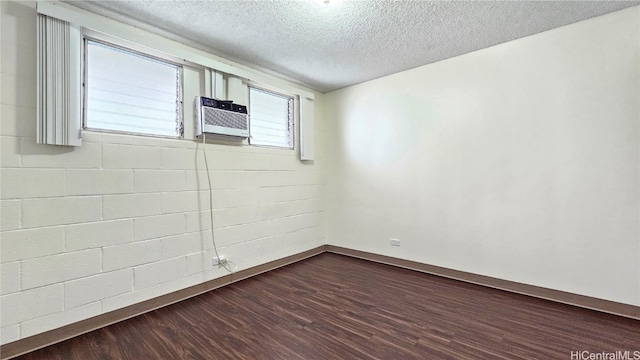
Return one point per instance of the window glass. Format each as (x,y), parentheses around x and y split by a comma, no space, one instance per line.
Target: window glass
(271,118)
(130,92)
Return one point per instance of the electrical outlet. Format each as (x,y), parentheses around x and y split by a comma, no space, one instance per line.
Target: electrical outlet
(219,260)
(395,242)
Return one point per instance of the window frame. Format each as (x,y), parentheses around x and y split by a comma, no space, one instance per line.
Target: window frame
(108,41)
(292,113)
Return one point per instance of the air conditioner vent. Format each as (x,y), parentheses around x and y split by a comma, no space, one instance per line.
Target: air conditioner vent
(224,118)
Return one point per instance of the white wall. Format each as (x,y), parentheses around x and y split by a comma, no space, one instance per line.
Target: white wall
(519,161)
(122,219)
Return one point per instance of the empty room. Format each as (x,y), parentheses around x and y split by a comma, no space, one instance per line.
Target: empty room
(320,179)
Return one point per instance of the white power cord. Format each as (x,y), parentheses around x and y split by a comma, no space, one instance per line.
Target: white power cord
(223,262)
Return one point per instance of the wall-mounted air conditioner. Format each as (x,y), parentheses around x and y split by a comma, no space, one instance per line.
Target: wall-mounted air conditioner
(222,117)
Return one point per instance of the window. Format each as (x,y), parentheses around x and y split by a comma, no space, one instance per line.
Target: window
(129,92)
(271,118)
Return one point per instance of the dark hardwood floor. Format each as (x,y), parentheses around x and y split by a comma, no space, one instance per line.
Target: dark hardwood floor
(336,307)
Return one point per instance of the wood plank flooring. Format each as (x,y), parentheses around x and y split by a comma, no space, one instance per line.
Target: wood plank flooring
(336,307)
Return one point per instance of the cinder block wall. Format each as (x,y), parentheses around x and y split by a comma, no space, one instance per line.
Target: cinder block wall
(122,219)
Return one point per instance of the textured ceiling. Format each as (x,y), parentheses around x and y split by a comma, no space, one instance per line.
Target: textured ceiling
(330,47)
